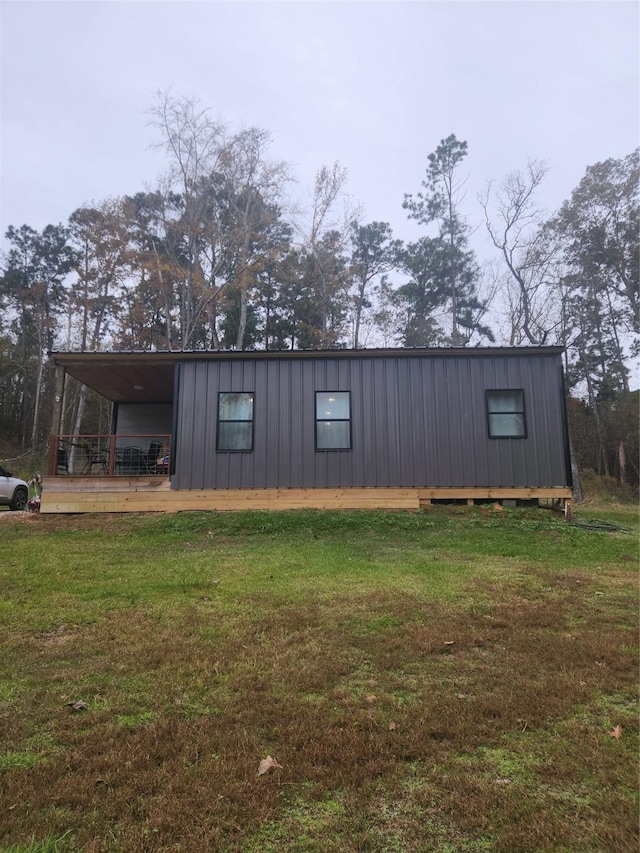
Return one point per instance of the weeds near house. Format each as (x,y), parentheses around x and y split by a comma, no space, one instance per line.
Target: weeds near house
(445,681)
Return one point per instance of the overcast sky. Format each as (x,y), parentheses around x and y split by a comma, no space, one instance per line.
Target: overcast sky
(374,85)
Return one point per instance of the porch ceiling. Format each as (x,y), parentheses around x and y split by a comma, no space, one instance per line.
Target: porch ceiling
(136,381)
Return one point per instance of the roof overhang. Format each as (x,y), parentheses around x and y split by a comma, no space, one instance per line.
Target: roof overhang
(122,377)
(148,377)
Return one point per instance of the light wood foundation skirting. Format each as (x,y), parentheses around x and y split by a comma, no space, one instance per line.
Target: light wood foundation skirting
(153,494)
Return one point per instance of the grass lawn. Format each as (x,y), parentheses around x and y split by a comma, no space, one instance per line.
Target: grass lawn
(450,681)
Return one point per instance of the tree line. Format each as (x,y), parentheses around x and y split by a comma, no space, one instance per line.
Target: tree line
(216,256)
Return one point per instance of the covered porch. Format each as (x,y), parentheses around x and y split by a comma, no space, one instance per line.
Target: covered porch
(104,472)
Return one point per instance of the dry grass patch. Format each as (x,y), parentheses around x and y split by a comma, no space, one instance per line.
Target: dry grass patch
(406,718)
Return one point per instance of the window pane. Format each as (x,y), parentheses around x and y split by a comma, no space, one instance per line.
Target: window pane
(235,407)
(332,405)
(333,435)
(235,436)
(505,401)
(505,426)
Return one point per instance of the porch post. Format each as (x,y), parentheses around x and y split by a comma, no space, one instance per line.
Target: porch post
(56,418)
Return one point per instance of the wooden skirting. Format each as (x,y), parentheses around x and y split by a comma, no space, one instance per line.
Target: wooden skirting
(521,494)
(63,484)
(153,494)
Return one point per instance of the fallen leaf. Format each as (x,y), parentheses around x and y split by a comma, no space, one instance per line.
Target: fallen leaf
(268,764)
(498,507)
(462,695)
(371,699)
(449,642)
(393,727)
(616,732)
(78,706)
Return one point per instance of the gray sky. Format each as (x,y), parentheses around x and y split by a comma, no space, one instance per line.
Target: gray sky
(374,85)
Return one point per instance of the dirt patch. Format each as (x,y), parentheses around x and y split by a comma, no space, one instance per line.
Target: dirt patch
(55,636)
(108,522)
(8,517)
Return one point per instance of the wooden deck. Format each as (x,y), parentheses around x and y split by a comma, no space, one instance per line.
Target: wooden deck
(154,494)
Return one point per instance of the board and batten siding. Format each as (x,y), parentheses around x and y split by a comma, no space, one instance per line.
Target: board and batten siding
(416,421)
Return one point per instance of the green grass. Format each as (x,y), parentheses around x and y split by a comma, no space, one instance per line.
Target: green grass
(49,844)
(439,681)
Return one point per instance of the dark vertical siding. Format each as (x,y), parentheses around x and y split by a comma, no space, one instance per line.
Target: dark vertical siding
(184,437)
(416,421)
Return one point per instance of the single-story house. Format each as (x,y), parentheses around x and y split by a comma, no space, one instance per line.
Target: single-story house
(313,428)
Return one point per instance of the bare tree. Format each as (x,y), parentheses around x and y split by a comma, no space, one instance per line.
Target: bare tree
(374,253)
(529,253)
(254,188)
(325,238)
(193,142)
(227,196)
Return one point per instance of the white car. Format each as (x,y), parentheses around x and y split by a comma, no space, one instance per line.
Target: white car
(14,492)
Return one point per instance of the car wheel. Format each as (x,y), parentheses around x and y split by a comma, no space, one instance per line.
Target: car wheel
(20,498)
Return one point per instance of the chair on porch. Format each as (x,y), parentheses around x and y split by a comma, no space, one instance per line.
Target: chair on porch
(62,459)
(96,455)
(155,450)
(131,461)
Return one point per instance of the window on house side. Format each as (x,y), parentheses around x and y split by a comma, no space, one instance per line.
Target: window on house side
(333,420)
(235,421)
(505,413)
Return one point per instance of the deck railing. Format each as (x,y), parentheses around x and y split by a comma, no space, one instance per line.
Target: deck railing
(109,455)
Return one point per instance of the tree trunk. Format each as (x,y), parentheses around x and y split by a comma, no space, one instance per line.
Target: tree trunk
(38,389)
(360,300)
(453,274)
(36,405)
(619,355)
(593,402)
(622,459)
(244,297)
(575,474)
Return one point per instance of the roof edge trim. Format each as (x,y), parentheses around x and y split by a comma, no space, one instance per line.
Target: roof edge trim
(174,356)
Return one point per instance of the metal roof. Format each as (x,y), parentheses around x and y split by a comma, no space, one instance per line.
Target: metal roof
(148,376)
